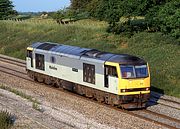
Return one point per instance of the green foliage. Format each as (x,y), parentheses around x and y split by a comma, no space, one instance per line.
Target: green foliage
(79,4)
(107,10)
(59,15)
(6,120)
(128,27)
(6,9)
(69,15)
(37,107)
(167,18)
(113,10)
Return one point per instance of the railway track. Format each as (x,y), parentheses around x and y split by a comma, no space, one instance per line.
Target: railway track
(163,101)
(170,122)
(13,61)
(165,104)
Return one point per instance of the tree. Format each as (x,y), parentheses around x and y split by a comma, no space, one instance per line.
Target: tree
(159,15)
(166,19)
(6,9)
(112,10)
(59,15)
(79,4)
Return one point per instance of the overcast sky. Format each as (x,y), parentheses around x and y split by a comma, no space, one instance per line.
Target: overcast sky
(39,5)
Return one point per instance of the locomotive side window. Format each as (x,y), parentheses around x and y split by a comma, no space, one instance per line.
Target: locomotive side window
(39,61)
(89,73)
(111,71)
(53,59)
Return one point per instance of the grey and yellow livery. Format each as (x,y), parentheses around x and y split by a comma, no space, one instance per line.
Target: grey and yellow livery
(116,79)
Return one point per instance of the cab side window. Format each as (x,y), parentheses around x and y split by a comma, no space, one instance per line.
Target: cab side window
(109,71)
(29,53)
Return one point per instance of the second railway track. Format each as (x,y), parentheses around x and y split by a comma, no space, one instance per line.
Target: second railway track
(13,61)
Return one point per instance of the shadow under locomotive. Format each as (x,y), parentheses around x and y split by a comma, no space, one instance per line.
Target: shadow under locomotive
(154,97)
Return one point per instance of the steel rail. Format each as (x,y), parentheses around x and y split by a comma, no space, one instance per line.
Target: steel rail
(12,62)
(13,70)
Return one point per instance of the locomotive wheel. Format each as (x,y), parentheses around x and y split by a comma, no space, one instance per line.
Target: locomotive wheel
(48,81)
(106,99)
(88,93)
(78,90)
(100,98)
(58,83)
(40,79)
(31,75)
(109,100)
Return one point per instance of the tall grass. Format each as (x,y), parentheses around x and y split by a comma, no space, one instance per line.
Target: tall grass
(162,52)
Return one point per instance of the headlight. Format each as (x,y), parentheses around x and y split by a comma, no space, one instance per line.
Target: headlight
(147,89)
(123,90)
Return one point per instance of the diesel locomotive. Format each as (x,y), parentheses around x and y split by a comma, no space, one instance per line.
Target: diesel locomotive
(116,79)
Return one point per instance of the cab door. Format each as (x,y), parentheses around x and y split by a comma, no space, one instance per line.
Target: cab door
(111,78)
(29,59)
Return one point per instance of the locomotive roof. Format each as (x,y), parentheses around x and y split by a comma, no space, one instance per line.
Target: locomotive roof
(88,54)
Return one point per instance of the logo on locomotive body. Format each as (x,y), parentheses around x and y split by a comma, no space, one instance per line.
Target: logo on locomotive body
(52,67)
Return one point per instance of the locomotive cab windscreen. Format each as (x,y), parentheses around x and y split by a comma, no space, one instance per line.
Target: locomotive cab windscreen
(134,71)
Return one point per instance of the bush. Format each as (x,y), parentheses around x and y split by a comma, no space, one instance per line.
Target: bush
(22,17)
(128,27)
(6,120)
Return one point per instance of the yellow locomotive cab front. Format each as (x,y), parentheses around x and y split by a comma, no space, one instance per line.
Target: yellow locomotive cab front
(134,79)
(134,85)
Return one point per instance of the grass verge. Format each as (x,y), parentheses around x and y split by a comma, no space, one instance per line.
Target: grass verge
(35,103)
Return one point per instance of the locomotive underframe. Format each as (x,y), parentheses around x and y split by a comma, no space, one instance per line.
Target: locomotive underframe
(124,101)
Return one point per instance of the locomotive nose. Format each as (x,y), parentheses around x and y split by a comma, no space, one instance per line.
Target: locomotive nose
(138,83)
